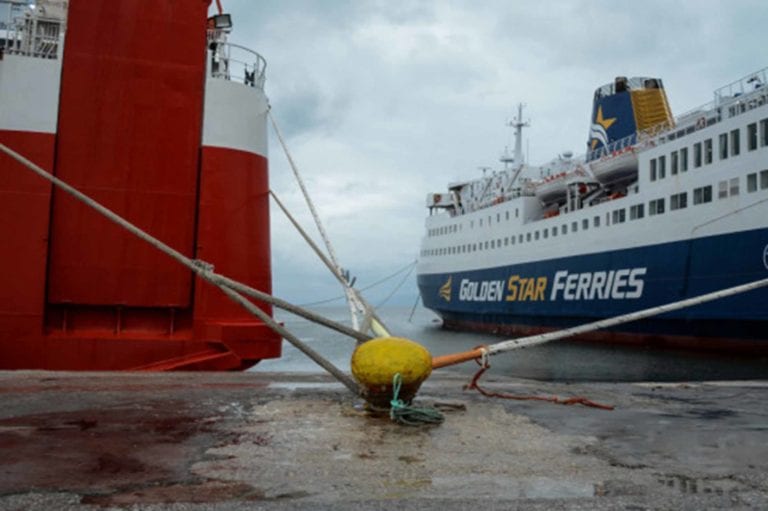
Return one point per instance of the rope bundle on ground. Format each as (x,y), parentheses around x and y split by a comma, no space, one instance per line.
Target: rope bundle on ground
(408,415)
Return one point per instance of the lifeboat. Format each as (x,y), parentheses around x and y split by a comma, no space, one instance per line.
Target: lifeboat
(554,188)
(616,166)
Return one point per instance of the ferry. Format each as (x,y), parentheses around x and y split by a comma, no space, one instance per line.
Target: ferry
(658,209)
(148,108)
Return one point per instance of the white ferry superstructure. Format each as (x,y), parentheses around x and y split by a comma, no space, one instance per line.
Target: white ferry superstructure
(658,210)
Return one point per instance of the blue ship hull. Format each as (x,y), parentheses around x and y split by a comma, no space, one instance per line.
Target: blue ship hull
(556,293)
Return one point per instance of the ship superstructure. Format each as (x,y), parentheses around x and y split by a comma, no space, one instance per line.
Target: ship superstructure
(657,210)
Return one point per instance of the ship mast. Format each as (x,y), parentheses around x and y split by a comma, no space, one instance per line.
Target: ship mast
(518,124)
(517,157)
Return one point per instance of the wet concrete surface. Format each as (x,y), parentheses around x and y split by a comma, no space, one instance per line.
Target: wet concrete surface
(282,441)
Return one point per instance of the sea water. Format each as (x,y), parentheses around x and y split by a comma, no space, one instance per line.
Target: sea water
(555,361)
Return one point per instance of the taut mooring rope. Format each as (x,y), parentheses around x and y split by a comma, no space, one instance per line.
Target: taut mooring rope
(534,340)
(354,299)
(201,268)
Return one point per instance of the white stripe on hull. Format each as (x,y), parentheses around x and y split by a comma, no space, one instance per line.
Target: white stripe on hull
(29,93)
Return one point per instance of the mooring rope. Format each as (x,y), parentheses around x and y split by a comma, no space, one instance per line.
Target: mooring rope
(203,269)
(334,269)
(356,302)
(409,266)
(397,287)
(534,340)
(575,400)
(624,318)
(408,415)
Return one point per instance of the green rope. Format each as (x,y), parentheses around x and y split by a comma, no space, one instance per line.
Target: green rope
(410,415)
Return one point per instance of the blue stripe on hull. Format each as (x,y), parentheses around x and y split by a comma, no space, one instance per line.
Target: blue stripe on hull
(573,290)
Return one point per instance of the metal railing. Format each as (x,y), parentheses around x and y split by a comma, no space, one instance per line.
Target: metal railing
(236,63)
(31,31)
(745,85)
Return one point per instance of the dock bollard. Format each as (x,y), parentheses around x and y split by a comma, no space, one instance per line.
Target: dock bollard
(375,363)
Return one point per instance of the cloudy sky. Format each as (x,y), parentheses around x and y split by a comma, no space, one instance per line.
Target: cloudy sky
(382,102)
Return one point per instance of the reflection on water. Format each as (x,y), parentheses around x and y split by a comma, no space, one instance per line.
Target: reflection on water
(556,361)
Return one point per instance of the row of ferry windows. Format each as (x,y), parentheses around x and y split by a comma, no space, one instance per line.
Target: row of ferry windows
(701,195)
(729,144)
(449,229)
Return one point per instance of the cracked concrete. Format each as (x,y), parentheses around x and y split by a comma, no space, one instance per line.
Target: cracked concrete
(282,441)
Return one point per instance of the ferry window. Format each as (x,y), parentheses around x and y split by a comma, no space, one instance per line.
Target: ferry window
(489,221)
(684,159)
(506,242)
(697,154)
(723,146)
(498,217)
(752,182)
(702,195)
(733,186)
(545,233)
(520,238)
(653,169)
(722,189)
(506,215)
(512,239)
(708,151)
(516,213)
(564,229)
(528,236)
(678,201)
(485,246)
(619,216)
(636,211)
(596,221)
(673,163)
(554,229)
(493,243)
(574,226)
(763,132)
(585,224)
(656,207)
(536,235)
(498,243)
(474,247)
(662,167)
(763,179)
(752,136)
(735,142)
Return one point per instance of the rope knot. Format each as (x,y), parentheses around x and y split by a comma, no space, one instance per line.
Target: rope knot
(203,267)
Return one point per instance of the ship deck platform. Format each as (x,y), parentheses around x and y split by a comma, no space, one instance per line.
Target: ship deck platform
(273,441)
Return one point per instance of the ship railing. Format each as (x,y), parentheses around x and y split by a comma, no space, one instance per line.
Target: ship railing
(742,86)
(27,30)
(236,63)
(731,100)
(614,147)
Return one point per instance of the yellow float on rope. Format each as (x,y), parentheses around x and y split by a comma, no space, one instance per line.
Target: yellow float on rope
(375,363)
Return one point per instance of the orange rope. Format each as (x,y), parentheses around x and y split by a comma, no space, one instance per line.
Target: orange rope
(457,358)
(576,400)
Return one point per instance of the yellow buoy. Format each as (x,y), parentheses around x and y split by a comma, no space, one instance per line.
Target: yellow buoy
(375,363)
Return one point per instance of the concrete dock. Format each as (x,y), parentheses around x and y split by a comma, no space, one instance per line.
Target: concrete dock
(288,441)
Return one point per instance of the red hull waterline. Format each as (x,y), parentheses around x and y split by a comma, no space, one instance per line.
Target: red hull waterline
(127,124)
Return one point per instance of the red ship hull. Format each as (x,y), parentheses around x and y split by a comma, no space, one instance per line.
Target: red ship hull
(80,293)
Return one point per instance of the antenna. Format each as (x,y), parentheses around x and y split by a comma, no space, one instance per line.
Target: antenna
(518,124)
